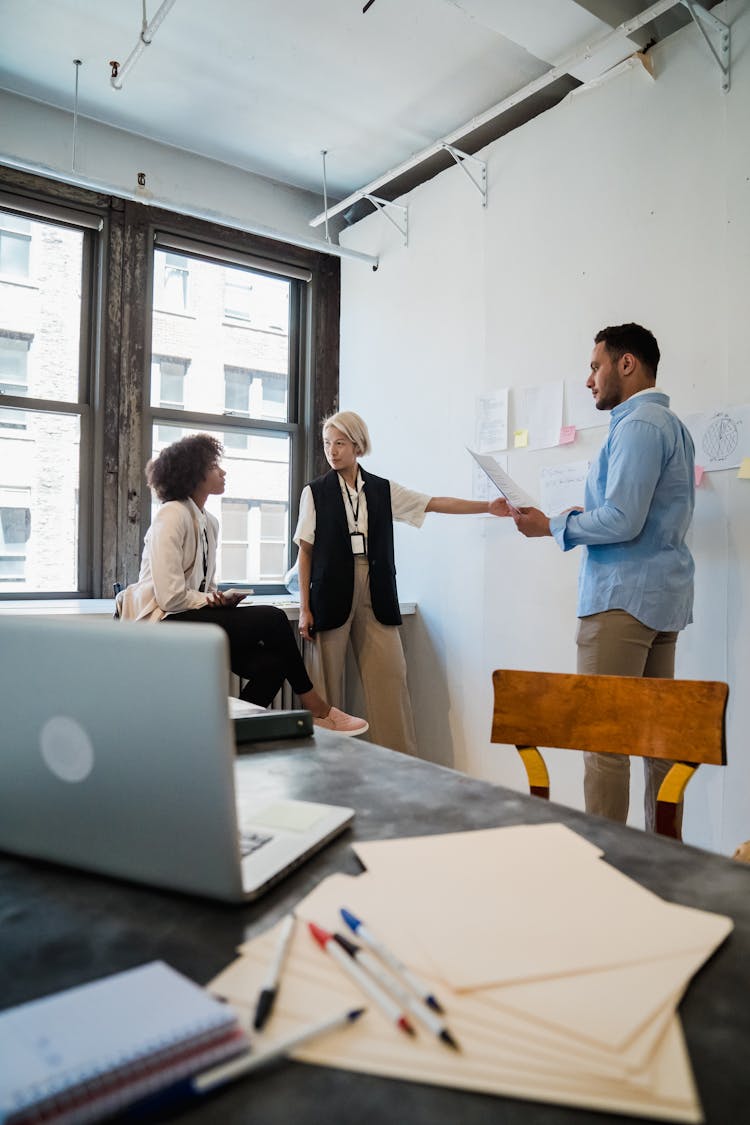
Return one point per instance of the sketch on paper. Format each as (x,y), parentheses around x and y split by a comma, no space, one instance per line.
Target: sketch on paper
(721,438)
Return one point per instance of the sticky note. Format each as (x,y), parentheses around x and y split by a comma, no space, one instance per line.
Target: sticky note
(520,439)
(744,469)
(567,435)
(699,470)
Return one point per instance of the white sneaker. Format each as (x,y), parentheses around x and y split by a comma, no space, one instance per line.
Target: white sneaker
(341,723)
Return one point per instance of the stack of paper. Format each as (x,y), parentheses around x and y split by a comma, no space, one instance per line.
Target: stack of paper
(560,976)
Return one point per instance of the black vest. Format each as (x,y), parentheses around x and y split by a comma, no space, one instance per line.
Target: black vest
(332,575)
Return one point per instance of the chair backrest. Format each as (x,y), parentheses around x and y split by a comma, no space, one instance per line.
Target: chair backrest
(682,721)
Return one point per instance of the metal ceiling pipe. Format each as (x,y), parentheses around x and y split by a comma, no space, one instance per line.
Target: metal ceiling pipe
(563,67)
(330,248)
(148,31)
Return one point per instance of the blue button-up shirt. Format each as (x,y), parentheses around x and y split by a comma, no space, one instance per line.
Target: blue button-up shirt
(640,495)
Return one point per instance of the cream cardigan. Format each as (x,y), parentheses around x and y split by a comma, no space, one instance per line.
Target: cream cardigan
(172,565)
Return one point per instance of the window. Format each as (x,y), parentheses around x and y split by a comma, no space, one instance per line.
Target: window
(253,541)
(244,387)
(15,244)
(15,529)
(14,379)
(45,448)
(168,378)
(171,276)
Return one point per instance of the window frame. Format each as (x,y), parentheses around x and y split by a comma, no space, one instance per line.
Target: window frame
(300,281)
(93,227)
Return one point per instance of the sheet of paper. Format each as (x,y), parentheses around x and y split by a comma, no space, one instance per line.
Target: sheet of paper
(539,411)
(562,486)
(512,492)
(495,1057)
(721,438)
(492,421)
(482,487)
(600,918)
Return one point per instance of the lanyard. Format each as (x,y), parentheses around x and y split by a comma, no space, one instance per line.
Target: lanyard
(355,511)
(204,542)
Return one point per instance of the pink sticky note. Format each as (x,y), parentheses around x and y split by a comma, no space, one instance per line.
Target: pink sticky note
(567,435)
(699,470)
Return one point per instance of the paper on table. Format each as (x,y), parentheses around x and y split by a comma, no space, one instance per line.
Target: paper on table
(512,492)
(605,1009)
(495,1057)
(600,918)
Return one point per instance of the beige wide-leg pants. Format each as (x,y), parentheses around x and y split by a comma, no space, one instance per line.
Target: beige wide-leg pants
(614,643)
(382,667)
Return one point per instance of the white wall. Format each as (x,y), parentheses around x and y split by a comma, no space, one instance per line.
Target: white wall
(31,132)
(629,201)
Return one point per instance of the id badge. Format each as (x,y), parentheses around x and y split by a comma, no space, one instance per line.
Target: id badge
(358,543)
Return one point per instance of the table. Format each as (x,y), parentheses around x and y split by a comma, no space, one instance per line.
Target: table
(60,928)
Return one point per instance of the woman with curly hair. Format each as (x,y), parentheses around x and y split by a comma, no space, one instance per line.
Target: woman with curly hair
(176,583)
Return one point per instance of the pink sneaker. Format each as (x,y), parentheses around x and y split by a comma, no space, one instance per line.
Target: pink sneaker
(341,723)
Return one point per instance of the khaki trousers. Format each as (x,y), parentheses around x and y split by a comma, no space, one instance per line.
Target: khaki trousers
(382,667)
(614,643)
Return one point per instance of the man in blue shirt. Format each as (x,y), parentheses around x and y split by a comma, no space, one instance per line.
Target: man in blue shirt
(635,588)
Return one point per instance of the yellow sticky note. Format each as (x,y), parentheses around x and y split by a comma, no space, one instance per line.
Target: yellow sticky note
(744,469)
(520,439)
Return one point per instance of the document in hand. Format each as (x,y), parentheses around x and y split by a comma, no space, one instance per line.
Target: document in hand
(512,492)
(564,987)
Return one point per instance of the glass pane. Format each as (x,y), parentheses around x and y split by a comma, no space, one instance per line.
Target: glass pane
(42,315)
(39,483)
(257,481)
(230,328)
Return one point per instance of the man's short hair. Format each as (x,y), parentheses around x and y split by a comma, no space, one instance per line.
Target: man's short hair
(633,338)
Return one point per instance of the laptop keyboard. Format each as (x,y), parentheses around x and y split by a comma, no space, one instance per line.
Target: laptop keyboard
(251,841)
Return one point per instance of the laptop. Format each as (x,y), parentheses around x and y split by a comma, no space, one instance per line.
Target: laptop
(118,756)
(257,724)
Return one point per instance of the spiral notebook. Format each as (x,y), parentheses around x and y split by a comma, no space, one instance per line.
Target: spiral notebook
(88,1052)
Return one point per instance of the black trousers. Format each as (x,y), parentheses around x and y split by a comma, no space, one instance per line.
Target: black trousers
(262,648)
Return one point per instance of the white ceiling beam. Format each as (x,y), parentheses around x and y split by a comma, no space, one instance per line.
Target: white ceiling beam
(598,46)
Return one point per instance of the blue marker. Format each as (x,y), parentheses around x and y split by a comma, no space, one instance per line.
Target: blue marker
(418,987)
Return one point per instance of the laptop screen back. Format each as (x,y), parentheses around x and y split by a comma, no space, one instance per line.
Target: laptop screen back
(117,750)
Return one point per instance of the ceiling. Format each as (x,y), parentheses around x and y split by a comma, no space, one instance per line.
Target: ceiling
(265,85)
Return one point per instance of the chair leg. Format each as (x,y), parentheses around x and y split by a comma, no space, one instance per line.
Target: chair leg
(670,794)
(536,771)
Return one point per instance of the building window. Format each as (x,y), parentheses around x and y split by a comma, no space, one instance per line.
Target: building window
(46,363)
(15,244)
(168,379)
(171,278)
(244,387)
(253,541)
(260,301)
(14,378)
(15,530)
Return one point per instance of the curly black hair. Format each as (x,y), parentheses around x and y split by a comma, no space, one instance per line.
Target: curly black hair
(180,467)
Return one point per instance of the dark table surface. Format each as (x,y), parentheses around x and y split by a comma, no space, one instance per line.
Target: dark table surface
(60,928)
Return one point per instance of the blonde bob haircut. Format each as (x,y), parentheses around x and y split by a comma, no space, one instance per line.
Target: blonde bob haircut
(353,426)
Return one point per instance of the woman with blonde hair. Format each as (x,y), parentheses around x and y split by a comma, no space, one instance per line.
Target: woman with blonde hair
(348,575)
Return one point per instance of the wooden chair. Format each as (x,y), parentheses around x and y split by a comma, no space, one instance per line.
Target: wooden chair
(682,721)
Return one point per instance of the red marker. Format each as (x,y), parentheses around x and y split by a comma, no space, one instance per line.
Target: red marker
(388,1007)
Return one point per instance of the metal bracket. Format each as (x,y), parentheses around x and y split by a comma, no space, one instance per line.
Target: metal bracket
(461,158)
(723,30)
(382,206)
